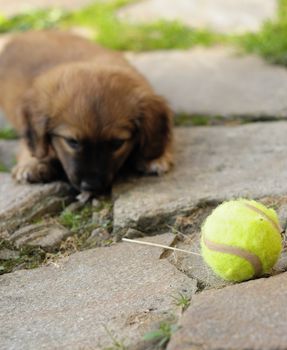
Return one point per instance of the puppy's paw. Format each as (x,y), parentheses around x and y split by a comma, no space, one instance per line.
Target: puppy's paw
(32,171)
(159,166)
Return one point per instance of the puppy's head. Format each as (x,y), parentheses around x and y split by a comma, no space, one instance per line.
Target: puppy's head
(93,119)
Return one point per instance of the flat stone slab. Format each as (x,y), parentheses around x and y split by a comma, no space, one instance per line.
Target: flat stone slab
(234,16)
(212,164)
(216,82)
(46,236)
(124,289)
(250,315)
(22,203)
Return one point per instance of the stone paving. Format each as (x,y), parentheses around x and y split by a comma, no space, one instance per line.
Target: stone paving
(124,290)
(22,203)
(109,297)
(250,315)
(216,81)
(212,164)
(219,15)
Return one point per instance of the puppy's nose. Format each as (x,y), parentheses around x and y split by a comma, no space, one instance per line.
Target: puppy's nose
(88,186)
(96,186)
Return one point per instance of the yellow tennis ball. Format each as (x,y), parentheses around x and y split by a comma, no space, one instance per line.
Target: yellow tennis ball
(241,239)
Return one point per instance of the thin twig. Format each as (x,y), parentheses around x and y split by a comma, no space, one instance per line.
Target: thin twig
(159,246)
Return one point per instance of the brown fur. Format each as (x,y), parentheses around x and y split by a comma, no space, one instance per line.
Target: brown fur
(82,109)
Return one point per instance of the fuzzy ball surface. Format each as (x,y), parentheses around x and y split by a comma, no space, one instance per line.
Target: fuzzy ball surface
(241,240)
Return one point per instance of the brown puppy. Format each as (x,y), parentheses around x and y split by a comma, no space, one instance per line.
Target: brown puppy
(82,110)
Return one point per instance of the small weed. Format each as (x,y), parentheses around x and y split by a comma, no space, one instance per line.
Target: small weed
(182,301)
(8,134)
(71,220)
(117,344)
(161,336)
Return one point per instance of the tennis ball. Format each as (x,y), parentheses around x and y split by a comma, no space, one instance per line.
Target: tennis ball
(241,239)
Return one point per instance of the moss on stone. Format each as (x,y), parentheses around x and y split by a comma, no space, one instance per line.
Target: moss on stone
(29,258)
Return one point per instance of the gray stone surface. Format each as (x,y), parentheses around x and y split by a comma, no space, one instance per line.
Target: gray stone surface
(250,315)
(216,81)
(21,203)
(8,151)
(124,289)
(7,254)
(46,236)
(14,7)
(194,265)
(219,15)
(211,164)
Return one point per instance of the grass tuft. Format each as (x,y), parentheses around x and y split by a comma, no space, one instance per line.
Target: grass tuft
(182,301)
(82,222)
(271,41)
(3,168)
(161,336)
(8,133)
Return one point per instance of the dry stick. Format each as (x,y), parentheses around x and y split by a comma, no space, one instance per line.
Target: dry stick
(159,246)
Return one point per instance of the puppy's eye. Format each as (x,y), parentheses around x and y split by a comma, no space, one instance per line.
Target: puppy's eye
(74,144)
(116,144)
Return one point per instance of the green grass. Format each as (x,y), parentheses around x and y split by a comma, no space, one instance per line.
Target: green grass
(161,336)
(8,133)
(271,41)
(111,32)
(116,34)
(82,222)
(75,221)
(3,168)
(183,119)
(100,18)
(39,19)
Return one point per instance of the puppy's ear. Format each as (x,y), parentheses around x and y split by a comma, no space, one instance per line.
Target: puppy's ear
(35,125)
(155,127)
